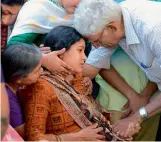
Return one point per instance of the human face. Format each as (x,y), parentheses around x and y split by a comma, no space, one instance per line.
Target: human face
(109,37)
(70,5)
(75,56)
(32,77)
(9,14)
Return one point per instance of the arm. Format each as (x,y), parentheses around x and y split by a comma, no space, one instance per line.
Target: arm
(24,38)
(152,39)
(36,110)
(20,130)
(149,90)
(90,71)
(130,126)
(97,59)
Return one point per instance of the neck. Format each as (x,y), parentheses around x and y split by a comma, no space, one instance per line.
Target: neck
(67,77)
(13,86)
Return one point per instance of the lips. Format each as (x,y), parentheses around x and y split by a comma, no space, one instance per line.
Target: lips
(82,64)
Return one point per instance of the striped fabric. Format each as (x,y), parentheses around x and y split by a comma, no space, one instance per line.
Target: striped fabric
(143,38)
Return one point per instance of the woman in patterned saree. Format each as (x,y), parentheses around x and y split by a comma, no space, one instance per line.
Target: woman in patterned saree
(56,107)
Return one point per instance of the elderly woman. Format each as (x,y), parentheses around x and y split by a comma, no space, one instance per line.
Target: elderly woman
(56,107)
(22,66)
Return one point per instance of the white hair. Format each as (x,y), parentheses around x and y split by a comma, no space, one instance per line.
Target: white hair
(91,16)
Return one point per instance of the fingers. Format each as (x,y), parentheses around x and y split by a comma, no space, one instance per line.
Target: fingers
(127,113)
(100,137)
(88,84)
(99,129)
(41,45)
(63,70)
(44,50)
(115,125)
(60,51)
(128,133)
(93,126)
(89,91)
(66,67)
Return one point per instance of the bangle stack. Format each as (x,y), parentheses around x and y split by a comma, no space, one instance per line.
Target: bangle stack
(59,138)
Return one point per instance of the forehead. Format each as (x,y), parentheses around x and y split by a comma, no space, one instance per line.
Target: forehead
(3,6)
(93,37)
(80,43)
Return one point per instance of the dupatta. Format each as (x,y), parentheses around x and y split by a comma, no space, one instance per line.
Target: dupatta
(83,109)
(40,16)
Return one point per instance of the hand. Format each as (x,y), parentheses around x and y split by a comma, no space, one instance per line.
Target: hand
(127,127)
(54,64)
(134,104)
(88,84)
(44,50)
(90,133)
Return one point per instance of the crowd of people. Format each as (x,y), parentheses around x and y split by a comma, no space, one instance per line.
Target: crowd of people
(81,70)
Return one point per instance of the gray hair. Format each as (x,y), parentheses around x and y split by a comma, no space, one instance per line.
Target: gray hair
(18,60)
(91,16)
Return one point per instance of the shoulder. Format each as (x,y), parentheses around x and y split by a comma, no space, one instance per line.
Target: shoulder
(41,88)
(78,84)
(143,13)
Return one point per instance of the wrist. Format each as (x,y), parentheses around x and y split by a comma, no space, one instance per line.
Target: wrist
(43,60)
(133,96)
(138,117)
(143,113)
(145,96)
(70,136)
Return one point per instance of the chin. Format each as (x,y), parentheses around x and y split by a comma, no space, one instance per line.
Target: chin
(78,71)
(70,11)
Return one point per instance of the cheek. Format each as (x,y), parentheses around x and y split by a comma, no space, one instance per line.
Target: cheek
(73,61)
(31,79)
(8,19)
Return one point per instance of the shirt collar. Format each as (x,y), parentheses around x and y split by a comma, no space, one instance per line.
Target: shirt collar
(131,37)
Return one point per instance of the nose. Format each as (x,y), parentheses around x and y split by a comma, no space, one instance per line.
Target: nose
(84,57)
(41,70)
(96,45)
